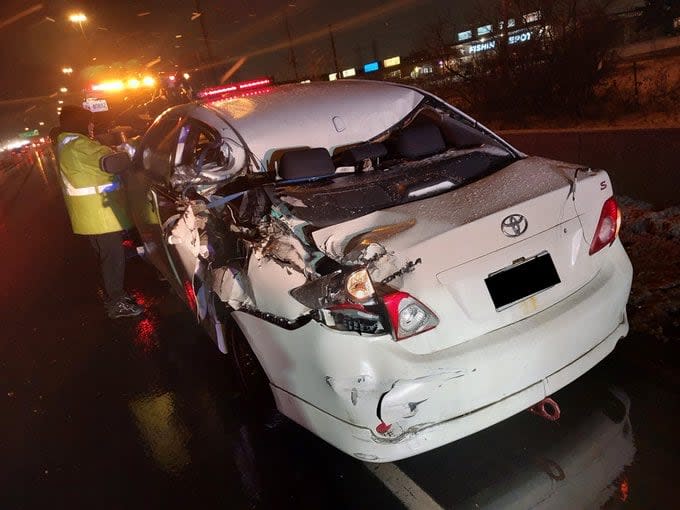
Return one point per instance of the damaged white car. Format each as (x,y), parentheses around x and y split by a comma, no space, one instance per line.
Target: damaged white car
(403,276)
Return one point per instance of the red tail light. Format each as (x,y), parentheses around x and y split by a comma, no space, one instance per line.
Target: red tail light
(608,226)
(408,316)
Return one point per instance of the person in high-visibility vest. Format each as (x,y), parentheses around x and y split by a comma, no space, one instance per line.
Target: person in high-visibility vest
(96,204)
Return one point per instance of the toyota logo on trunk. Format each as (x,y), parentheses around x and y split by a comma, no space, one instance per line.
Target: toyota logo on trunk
(514,225)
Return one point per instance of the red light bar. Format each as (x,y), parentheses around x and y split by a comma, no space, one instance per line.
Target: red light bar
(213,92)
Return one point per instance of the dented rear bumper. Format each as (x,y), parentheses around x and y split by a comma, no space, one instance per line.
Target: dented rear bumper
(430,400)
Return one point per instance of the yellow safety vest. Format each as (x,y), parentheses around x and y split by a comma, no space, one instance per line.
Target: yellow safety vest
(95,200)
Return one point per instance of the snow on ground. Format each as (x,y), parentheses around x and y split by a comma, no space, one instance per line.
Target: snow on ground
(652,239)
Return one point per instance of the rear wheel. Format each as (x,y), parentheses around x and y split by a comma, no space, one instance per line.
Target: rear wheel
(250,375)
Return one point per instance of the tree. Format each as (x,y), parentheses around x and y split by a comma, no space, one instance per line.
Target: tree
(553,70)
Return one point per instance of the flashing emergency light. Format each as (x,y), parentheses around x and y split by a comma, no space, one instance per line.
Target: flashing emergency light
(109,86)
(235,89)
(120,85)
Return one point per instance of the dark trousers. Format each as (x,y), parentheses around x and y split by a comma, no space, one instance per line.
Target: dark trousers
(109,249)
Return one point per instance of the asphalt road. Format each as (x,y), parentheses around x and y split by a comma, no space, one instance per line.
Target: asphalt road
(143,413)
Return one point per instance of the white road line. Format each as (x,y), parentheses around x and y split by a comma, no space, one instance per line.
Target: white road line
(405,489)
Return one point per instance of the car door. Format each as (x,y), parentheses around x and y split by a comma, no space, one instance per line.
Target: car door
(151,198)
(198,150)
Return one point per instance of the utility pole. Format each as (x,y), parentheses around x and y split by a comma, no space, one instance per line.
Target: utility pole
(374,46)
(335,55)
(291,53)
(204,31)
(504,53)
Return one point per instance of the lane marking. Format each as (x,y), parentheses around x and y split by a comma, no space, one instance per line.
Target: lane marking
(403,487)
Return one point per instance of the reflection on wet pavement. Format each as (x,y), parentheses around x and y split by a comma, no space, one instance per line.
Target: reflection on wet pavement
(527,462)
(143,413)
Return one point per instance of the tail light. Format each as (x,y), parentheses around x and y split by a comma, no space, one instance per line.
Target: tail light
(407,315)
(607,227)
(349,301)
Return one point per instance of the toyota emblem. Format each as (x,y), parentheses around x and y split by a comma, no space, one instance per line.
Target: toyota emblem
(514,225)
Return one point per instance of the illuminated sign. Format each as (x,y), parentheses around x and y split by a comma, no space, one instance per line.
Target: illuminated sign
(485,46)
(519,38)
(511,23)
(371,67)
(464,36)
(29,134)
(532,16)
(332,76)
(484,29)
(393,61)
(348,73)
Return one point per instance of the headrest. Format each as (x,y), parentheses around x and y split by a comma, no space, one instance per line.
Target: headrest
(298,164)
(359,153)
(420,140)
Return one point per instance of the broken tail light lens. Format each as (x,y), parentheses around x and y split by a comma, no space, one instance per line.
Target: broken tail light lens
(359,285)
(607,227)
(407,315)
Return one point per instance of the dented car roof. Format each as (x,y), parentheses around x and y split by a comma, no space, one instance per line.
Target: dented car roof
(316,114)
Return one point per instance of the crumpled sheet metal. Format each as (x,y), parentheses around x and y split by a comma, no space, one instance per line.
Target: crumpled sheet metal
(231,287)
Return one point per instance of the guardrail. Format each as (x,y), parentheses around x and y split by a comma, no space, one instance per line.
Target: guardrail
(643,163)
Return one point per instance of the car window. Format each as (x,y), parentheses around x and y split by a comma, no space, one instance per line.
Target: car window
(159,149)
(199,147)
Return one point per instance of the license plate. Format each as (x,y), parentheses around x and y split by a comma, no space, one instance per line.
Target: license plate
(521,280)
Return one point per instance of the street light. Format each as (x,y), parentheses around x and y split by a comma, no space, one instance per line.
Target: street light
(80,18)
(63,90)
(77,17)
(67,70)
(41,123)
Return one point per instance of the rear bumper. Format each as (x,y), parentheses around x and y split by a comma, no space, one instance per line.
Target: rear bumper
(365,444)
(342,386)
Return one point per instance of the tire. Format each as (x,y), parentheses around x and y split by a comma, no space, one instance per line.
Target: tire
(250,376)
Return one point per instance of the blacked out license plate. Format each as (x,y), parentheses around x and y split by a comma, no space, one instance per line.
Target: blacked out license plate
(522,280)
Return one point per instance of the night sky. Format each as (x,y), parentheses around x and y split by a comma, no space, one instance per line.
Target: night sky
(34,47)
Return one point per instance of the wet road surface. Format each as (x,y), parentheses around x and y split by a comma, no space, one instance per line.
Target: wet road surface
(143,413)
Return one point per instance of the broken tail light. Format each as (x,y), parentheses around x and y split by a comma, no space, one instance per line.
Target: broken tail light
(407,315)
(350,302)
(607,227)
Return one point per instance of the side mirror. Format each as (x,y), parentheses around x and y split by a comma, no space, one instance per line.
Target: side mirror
(116,163)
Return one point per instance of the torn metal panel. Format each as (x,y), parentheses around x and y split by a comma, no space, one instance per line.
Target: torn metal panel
(232,287)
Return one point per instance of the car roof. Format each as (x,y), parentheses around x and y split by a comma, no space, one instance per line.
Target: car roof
(318,114)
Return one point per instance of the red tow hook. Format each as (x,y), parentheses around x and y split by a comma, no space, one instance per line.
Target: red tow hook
(547,408)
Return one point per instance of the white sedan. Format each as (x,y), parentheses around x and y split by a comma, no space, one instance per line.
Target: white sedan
(396,274)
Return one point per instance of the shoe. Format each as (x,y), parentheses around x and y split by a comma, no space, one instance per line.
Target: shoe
(130,299)
(123,308)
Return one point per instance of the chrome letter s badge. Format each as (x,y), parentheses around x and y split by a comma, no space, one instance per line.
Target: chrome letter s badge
(514,225)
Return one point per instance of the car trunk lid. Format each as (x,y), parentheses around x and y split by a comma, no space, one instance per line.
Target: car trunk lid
(522,215)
